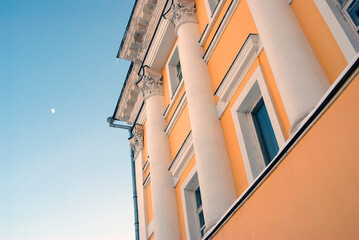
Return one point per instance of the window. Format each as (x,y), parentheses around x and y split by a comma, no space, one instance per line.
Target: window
(192,207)
(211,6)
(257,126)
(333,12)
(350,11)
(174,72)
(265,134)
(199,210)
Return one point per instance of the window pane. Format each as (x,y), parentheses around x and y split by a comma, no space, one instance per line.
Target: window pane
(343,2)
(213,4)
(198,198)
(265,132)
(201,219)
(179,71)
(353,11)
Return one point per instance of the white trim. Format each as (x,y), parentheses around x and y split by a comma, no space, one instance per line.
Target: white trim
(150,229)
(348,17)
(170,68)
(145,166)
(157,41)
(176,114)
(248,142)
(147,181)
(239,68)
(240,198)
(211,20)
(336,29)
(188,203)
(220,30)
(142,116)
(168,109)
(182,159)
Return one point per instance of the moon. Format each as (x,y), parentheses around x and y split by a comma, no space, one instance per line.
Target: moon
(52,110)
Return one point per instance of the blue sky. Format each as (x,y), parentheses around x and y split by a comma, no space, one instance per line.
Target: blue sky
(64,175)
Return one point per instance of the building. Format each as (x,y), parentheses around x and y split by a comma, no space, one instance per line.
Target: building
(244,118)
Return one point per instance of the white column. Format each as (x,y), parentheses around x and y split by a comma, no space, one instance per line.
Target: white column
(299,76)
(136,143)
(164,202)
(212,162)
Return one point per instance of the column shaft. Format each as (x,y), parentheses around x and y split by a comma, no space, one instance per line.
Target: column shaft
(299,76)
(212,162)
(164,202)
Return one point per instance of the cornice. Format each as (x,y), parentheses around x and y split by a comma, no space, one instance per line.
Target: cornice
(140,29)
(130,97)
(137,38)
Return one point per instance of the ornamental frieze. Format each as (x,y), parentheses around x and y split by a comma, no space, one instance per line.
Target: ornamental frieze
(183,12)
(136,141)
(151,83)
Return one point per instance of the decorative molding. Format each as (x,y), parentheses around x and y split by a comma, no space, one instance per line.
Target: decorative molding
(255,88)
(182,158)
(183,12)
(130,99)
(140,29)
(211,23)
(151,83)
(136,141)
(145,166)
(137,38)
(336,28)
(142,116)
(237,71)
(173,99)
(150,229)
(160,35)
(147,181)
(176,114)
(222,26)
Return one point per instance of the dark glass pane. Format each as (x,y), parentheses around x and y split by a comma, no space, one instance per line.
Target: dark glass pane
(198,197)
(202,232)
(265,132)
(180,76)
(343,2)
(353,11)
(178,66)
(201,219)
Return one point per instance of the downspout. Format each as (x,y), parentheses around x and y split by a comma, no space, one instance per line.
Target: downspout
(110,121)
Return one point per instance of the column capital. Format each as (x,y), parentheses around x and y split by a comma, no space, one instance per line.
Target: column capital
(151,83)
(182,12)
(136,141)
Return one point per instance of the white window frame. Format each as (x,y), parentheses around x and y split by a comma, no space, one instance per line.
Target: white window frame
(190,215)
(172,73)
(212,17)
(348,17)
(255,89)
(346,39)
(211,9)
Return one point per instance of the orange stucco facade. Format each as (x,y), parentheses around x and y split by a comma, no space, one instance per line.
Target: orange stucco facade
(312,192)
